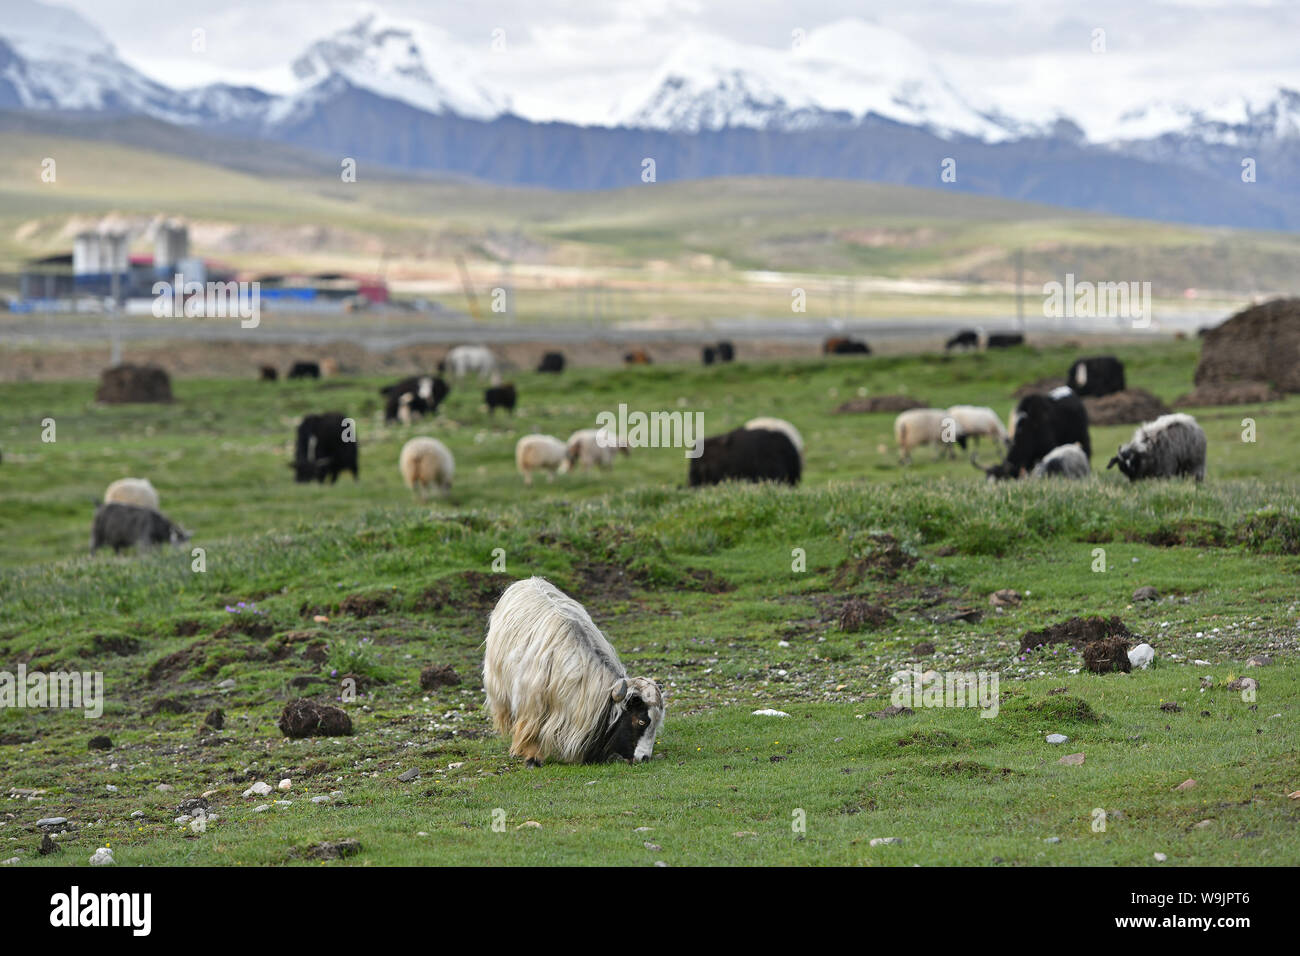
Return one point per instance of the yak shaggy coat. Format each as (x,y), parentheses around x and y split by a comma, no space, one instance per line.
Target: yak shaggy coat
(555,685)
(1171,446)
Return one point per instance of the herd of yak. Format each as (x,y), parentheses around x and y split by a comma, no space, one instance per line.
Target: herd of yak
(1046,435)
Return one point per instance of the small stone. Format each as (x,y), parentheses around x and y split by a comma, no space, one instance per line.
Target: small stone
(13,859)
(51,821)
(284,803)
(885,841)
(1071,760)
(1160,857)
(456,766)
(1259,660)
(1294,795)
(259,789)
(286,784)
(110,788)
(893,710)
(321,619)
(1004,598)
(657,862)
(1244,684)
(227,684)
(745,833)
(769,712)
(261,808)
(406,776)
(652,846)
(206,794)
(183,818)
(1203,825)
(1051,839)
(102,857)
(533,824)
(320,799)
(164,788)
(642,829)
(137,814)
(1147,593)
(1057,739)
(1187,784)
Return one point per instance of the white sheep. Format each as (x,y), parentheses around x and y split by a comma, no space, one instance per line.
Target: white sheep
(132,491)
(978,420)
(1064,461)
(926,426)
(541,453)
(782,426)
(426,463)
(593,446)
(466,359)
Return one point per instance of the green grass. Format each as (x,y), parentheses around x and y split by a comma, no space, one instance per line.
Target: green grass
(694,587)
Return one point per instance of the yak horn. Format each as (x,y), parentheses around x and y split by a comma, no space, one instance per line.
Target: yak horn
(620,691)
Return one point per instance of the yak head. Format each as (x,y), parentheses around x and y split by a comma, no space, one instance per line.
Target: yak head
(1129,463)
(636,714)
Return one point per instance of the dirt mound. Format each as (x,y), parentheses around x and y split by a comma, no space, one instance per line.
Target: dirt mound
(438,675)
(309,718)
(885,559)
(1258,344)
(250,625)
(364,605)
(1133,406)
(857,614)
(1111,654)
(1078,632)
(133,383)
(880,403)
(468,590)
(1229,393)
(1042,385)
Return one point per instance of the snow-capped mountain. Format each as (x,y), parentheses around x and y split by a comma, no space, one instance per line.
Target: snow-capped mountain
(405,61)
(837,74)
(1239,119)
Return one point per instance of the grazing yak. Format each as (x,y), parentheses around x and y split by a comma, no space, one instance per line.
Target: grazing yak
(637,357)
(746,454)
(552,362)
(1067,461)
(555,685)
(425,464)
(469,360)
(726,351)
(1098,376)
(927,426)
(132,491)
(269,374)
(593,446)
(1172,446)
(119,526)
(501,396)
(1004,340)
(845,346)
(965,339)
(541,453)
(708,355)
(417,395)
(1042,423)
(304,370)
(323,449)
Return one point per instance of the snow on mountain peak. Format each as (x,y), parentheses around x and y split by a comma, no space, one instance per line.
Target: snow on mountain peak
(39,31)
(407,61)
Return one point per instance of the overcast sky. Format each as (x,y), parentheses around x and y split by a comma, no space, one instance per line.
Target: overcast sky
(1024,56)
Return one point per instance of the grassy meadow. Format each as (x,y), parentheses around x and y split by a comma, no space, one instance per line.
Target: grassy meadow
(702,589)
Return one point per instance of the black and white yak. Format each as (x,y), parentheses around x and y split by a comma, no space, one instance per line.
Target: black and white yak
(556,687)
(1041,424)
(416,395)
(326,447)
(746,454)
(1095,377)
(1172,446)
